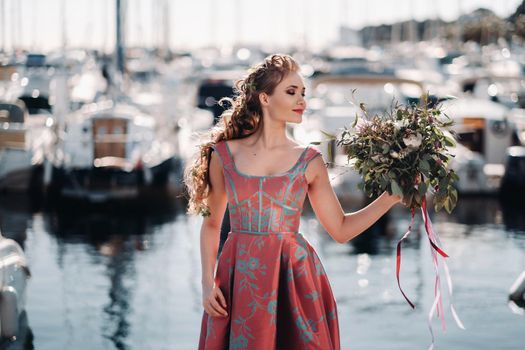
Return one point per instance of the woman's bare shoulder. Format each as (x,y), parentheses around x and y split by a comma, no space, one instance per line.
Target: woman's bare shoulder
(234,144)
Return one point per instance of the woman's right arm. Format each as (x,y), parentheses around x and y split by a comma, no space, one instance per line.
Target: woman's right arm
(340,225)
(209,238)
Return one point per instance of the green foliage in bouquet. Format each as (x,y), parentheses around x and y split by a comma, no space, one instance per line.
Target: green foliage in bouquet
(390,152)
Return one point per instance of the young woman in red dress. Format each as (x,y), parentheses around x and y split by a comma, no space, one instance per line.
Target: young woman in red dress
(268,288)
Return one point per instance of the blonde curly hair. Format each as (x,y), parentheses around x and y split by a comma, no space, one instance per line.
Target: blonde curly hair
(242,119)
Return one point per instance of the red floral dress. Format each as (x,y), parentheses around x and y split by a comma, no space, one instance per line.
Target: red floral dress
(277,293)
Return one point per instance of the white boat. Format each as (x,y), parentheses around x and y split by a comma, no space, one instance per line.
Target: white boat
(14,273)
(24,141)
(111,151)
(507,90)
(484,132)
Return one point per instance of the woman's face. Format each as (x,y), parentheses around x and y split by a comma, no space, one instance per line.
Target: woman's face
(287,102)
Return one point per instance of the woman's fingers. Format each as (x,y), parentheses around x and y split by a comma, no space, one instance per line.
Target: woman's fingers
(218,307)
(211,309)
(214,304)
(221,298)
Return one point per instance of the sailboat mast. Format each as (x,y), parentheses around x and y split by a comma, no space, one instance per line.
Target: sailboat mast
(166,28)
(63,25)
(120,37)
(2,20)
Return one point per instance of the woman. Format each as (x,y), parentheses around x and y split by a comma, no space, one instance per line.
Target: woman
(270,290)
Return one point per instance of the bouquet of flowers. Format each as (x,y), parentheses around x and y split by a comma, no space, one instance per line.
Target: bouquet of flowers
(404,152)
(393,151)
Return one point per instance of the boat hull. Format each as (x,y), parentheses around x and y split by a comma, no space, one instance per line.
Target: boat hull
(97,185)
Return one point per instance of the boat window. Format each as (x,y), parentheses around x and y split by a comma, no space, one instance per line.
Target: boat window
(11,113)
(472,139)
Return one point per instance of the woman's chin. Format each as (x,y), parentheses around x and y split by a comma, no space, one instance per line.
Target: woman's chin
(295,120)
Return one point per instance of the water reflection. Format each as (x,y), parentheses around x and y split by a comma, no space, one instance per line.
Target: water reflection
(474,214)
(117,232)
(112,274)
(119,268)
(381,237)
(16,212)
(475,210)
(111,235)
(513,217)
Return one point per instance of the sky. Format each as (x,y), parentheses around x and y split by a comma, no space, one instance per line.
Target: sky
(37,24)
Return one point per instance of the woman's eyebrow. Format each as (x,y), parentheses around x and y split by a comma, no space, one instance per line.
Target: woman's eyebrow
(295,87)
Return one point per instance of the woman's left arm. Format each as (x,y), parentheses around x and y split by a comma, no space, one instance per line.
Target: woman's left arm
(341,226)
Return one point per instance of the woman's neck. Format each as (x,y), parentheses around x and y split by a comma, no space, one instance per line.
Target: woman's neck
(269,135)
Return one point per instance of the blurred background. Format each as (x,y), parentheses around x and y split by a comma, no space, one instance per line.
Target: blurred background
(101,106)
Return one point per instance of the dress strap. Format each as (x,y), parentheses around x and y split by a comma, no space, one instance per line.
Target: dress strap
(310,154)
(224,154)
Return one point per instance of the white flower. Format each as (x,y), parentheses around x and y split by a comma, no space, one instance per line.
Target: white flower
(413,141)
(400,123)
(394,154)
(346,138)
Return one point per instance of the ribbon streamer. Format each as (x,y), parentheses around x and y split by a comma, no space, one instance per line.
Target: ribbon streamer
(437,305)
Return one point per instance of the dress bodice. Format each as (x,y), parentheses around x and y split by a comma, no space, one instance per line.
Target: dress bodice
(265,204)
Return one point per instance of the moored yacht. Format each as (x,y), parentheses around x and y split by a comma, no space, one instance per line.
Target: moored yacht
(484,133)
(24,141)
(111,150)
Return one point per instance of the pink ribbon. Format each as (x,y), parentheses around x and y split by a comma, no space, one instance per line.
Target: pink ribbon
(437,305)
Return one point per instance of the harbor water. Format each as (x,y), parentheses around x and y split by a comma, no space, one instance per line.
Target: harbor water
(129,278)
